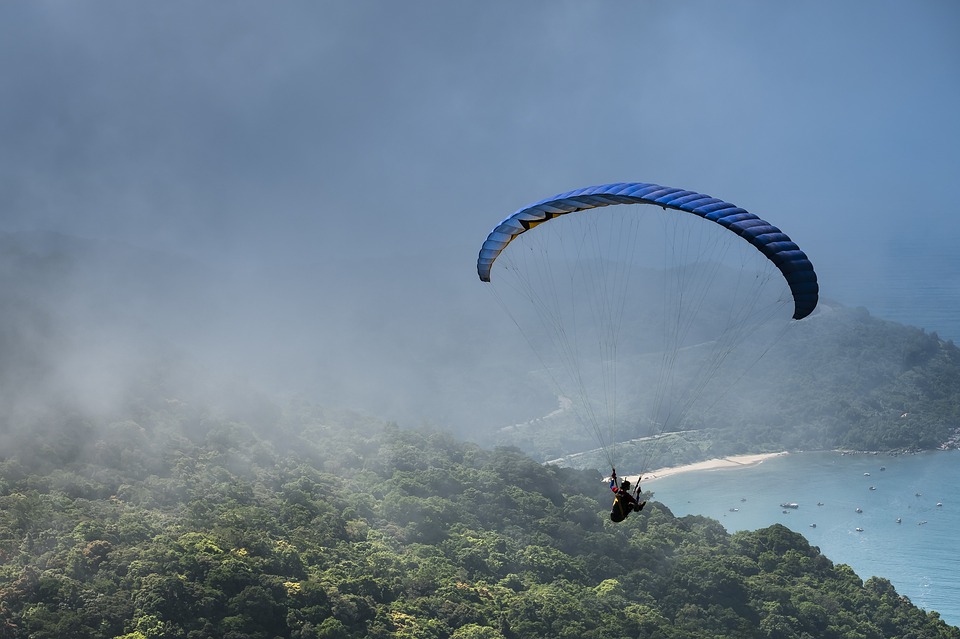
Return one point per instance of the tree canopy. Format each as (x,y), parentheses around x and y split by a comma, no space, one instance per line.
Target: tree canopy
(179,522)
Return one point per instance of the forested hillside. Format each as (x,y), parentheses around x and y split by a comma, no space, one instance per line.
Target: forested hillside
(178,520)
(839,379)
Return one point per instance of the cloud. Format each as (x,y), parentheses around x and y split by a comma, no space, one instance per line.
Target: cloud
(338,164)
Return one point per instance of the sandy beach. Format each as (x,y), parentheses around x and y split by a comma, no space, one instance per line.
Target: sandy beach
(720,463)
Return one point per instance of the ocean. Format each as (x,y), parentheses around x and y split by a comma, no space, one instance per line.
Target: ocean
(912,280)
(920,555)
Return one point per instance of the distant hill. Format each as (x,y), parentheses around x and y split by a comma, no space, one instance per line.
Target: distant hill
(839,379)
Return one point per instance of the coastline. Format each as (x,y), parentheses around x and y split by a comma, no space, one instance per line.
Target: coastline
(720,463)
(915,557)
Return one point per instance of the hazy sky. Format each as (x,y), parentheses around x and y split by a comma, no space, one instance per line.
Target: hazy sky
(280,135)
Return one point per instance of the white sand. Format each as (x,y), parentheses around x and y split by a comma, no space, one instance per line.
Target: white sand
(721,463)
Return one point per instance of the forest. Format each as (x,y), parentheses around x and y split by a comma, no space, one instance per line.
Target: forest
(180,520)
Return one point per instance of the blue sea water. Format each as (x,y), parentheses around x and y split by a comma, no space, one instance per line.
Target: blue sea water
(920,555)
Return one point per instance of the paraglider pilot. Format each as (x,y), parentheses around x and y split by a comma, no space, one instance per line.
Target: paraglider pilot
(624,502)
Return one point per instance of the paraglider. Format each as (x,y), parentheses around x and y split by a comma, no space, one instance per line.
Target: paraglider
(768,239)
(624,502)
(583,265)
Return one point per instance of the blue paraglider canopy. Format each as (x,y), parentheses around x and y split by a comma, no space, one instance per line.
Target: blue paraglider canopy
(768,239)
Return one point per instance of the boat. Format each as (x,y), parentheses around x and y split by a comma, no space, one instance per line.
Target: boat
(859,529)
(873,488)
(813,525)
(859,510)
(866,474)
(898,520)
(939,504)
(734,510)
(819,503)
(791,504)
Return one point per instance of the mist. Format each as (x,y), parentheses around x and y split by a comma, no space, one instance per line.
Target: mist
(290,197)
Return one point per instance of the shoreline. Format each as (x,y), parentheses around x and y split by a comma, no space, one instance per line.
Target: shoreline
(719,463)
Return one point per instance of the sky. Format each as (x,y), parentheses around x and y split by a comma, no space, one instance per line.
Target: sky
(357,153)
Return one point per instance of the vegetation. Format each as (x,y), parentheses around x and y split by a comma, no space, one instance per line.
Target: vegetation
(179,522)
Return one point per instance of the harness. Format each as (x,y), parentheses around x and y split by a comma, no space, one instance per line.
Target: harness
(619,512)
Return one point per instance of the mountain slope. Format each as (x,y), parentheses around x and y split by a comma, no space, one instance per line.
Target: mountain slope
(182,522)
